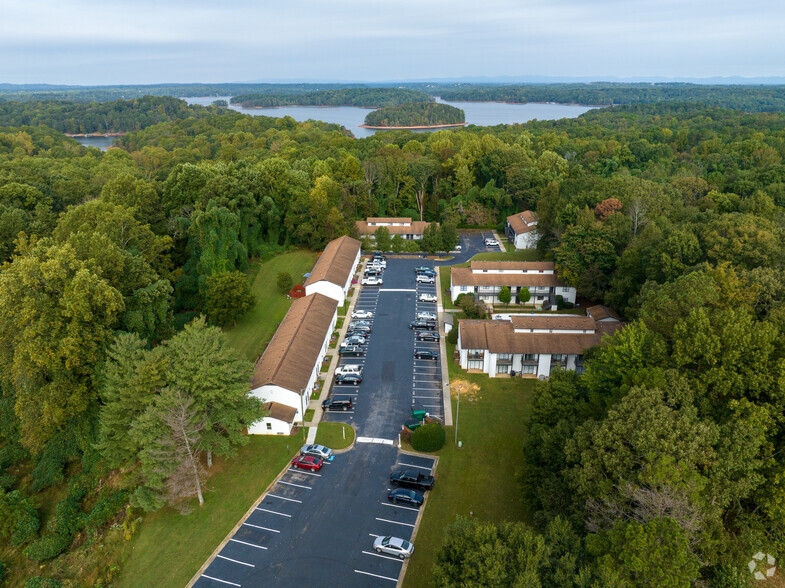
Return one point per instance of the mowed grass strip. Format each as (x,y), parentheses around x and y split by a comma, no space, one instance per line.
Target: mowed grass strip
(480,477)
(256,328)
(514,255)
(334,435)
(170,547)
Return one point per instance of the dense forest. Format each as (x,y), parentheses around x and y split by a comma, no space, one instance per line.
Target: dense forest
(664,460)
(364,97)
(119,116)
(413,114)
(745,98)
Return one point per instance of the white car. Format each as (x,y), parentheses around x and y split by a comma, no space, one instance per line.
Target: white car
(491,242)
(351,368)
(372,281)
(425,316)
(394,546)
(362,314)
(380,263)
(423,279)
(427,298)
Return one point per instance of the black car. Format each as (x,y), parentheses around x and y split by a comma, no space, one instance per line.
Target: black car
(427,336)
(351,350)
(426,355)
(402,495)
(349,379)
(411,479)
(428,325)
(338,403)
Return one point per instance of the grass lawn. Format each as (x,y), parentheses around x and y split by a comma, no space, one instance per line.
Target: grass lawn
(169,547)
(309,414)
(444,284)
(472,478)
(326,365)
(334,435)
(256,328)
(514,255)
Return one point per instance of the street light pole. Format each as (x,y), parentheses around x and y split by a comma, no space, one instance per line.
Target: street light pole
(457,413)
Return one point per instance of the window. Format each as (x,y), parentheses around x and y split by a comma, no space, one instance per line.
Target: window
(476,353)
(558,357)
(463,288)
(503,369)
(475,364)
(530,357)
(504,356)
(529,369)
(269,426)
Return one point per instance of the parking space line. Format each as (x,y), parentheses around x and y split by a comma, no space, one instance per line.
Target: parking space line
(411,465)
(284,498)
(394,522)
(242,563)
(299,471)
(249,544)
(295,485)
(399,560)
(221,581)
(369,574)
(399,506)
(377,536)
(281,514)
(260,527)
(427,397)
(432,405)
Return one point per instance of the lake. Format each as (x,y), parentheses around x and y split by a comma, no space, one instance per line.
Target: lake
(477,113)
(103,143)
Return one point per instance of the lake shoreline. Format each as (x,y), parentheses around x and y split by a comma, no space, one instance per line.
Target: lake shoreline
(303,106)
(88,135)
(446,126)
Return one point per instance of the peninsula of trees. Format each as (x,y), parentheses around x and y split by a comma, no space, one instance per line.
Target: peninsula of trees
(415,115)
(362,97)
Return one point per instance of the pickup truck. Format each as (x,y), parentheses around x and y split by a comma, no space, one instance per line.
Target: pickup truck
(411,479)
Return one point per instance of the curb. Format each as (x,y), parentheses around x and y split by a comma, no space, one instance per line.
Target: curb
(446,398)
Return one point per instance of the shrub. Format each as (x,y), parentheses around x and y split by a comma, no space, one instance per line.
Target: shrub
(285,282)
(147,499)
(452,336)
(471,308)
(18,518)
(39,582)
(68,518)
(105,509)
(49,464)
(524,295)
(429,437)
(48,547)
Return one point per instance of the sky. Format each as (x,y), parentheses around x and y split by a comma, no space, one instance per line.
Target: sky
(87,42)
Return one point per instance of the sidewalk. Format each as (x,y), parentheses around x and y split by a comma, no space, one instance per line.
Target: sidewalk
(327,377)
(501,243)
(446,400)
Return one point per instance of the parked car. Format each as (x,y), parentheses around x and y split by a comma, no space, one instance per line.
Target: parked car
(354,339)
(423,354)
(427,325)
(427,336)
(491,242)
(411,479)
(351,350)
(308,462)
(427,298)
(349,368)
(349,379)
(372,273)
(405,496)
(423,279)
(378,255)
(372,281)
(380,262)
(457,248)
(337,403)
(425,316)
(423,268)
(320,451)
(363,328)
(394,546)
(355,324)
(362,314)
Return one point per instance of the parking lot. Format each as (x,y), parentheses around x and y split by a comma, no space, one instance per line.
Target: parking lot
(318,528)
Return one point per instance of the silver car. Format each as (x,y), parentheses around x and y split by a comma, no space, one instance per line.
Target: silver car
(425,316)
(317,451)
(394,546)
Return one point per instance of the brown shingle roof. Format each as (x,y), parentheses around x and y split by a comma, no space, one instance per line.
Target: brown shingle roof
(531,266)
(294,350)
(463,276)
(600,311)
(336,263)
(388,219)
(416,228)
(521,222)
(560,322)
(280,412)
(499,337)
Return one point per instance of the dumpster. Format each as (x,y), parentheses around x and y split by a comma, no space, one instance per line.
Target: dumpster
(418,414)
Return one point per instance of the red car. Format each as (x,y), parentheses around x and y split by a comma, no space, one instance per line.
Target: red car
(307,462)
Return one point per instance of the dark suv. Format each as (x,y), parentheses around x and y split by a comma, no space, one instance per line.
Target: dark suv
(420,325)
(337,403)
